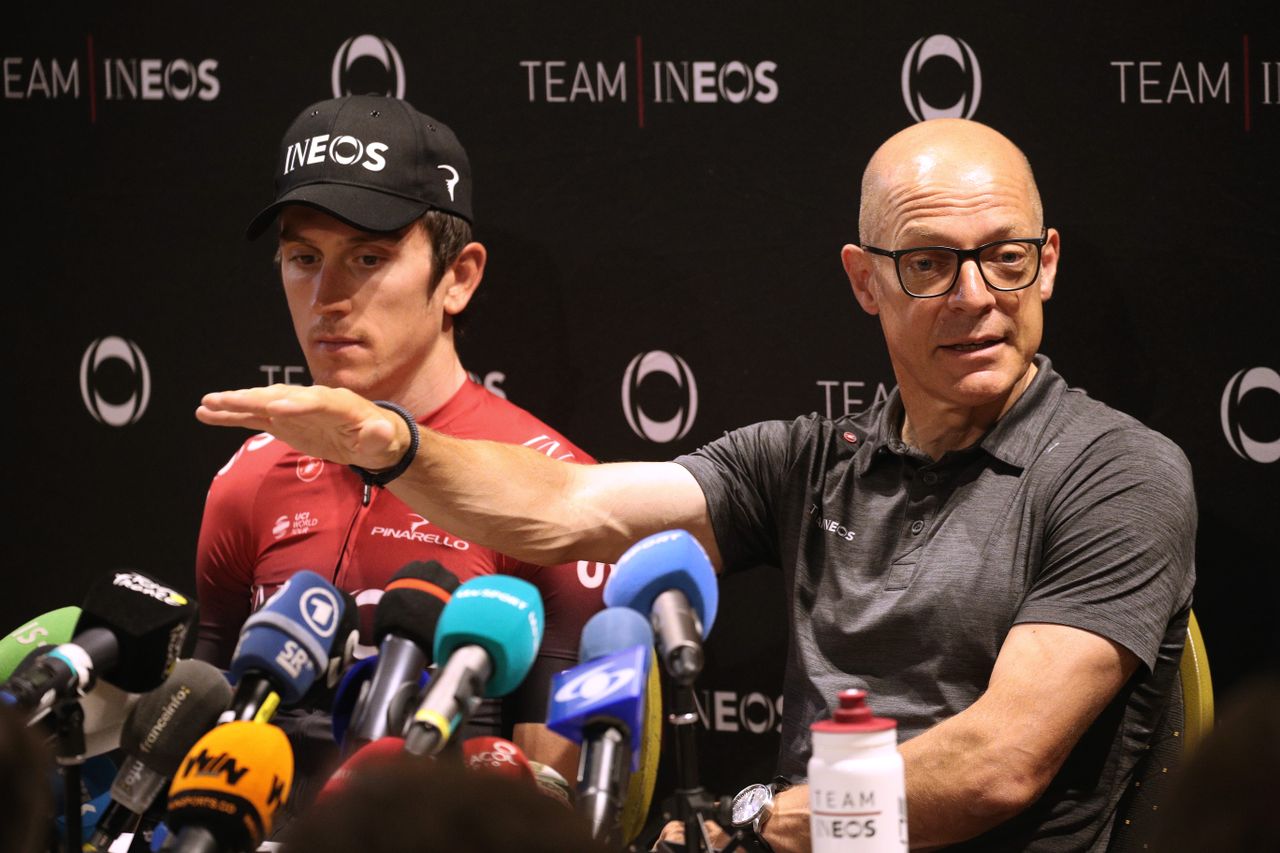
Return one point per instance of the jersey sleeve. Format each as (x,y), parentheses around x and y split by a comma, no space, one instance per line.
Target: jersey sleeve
(741,475)
(224,565)
(1119,542)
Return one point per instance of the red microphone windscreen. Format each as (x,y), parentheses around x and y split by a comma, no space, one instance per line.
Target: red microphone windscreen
(497,755)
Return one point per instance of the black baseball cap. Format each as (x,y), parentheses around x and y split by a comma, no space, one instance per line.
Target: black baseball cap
(374,162)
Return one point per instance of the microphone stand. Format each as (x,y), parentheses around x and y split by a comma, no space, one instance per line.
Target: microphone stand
(68,720)
(694,806)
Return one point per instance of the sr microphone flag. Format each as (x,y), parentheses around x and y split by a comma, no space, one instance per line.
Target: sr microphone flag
(285,646)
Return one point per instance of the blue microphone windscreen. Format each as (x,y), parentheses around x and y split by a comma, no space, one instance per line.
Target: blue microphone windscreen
(673,559)
(612,630)
(290,638)
(348,693)
(610,688)
(501,614)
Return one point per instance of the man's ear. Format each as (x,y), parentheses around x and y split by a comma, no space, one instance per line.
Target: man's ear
(857,266)
(463,277)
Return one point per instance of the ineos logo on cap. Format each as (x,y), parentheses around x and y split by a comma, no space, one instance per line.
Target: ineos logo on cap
(921,52)
(320,610)
(115,414)
(379,49)
(676,427)
(1242,383)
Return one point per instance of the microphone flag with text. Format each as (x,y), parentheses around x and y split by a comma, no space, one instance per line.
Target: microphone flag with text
(47,629)
(488,636)
(229,788)
(284,647)
(130,631)
(668,578)
(405,628)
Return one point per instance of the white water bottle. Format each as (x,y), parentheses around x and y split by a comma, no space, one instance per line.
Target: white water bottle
(857,792)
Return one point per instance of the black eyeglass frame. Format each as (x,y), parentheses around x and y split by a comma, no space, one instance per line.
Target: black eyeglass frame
(963,255)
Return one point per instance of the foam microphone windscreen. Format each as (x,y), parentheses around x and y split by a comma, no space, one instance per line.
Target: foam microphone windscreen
(151,624)
(501,614)
(47,629)
(368,758)
(498,756)
(290,639)
(612,630)
(163,725)
(673,559)
(232,783)
(411,603)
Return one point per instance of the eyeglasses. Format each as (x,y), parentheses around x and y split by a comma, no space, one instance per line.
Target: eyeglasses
(926,272)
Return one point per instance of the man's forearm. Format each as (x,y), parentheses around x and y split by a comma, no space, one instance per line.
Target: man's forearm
(506,497)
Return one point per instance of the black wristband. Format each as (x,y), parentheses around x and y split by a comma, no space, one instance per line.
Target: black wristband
(381,478)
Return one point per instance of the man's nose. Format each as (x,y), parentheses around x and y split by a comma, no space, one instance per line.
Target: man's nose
(333,290)
(970,292)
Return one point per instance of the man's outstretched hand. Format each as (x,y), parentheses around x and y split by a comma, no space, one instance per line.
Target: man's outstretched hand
(332,423)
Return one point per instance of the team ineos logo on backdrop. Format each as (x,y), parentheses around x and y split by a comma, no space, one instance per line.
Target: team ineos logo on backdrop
(952,48)
(673,428)
(378,49)
(115,414)
(1241,384)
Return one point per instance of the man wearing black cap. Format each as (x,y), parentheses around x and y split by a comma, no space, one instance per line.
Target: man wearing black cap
(374,206)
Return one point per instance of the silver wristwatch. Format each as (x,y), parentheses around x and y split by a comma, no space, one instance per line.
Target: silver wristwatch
(753,805)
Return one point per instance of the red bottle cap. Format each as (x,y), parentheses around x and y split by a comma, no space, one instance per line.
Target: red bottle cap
(854,715)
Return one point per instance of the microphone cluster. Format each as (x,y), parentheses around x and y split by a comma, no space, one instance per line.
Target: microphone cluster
(205,770)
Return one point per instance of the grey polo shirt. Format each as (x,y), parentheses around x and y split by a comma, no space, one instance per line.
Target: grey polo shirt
(905,574)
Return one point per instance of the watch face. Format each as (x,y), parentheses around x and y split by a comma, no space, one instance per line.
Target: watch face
(748,803)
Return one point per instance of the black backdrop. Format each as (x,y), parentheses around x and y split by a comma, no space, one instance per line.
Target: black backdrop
(650,178)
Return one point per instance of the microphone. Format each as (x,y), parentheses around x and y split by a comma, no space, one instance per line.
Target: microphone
(160,729)
(229,788)
(488,636)
(498,756)
(130,631)
(404,625)
(284,647)
(668,578)
(600,704)
(370,756)
(52,628)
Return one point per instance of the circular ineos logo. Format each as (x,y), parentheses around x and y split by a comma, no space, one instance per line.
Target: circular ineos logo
(390,82)
(1242,383)
(673,428)
(951,48)
(118,349)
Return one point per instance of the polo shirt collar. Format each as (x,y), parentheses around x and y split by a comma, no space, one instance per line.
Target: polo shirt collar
(1014,439)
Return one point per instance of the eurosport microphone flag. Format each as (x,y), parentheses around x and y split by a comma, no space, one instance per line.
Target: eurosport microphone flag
(611,688)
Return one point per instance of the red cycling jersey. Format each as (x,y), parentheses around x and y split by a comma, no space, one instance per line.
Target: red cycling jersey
(272,511)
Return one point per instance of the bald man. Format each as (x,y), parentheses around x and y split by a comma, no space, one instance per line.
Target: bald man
(1017,575)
